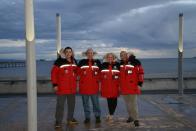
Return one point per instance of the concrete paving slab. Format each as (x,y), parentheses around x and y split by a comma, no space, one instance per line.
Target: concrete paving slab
(157,113)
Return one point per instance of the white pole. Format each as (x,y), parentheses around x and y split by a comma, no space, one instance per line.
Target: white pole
(180,56)
(31,66)
(58,31)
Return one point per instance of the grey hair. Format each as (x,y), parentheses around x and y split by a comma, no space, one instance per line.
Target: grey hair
(85,53)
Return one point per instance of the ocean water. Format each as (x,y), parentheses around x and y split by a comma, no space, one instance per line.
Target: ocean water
(151,66)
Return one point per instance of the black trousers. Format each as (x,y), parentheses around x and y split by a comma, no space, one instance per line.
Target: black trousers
(112,103)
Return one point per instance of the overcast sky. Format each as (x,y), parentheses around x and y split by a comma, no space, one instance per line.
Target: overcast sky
(147,27)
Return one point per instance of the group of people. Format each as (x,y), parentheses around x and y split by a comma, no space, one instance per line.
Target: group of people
(111,78)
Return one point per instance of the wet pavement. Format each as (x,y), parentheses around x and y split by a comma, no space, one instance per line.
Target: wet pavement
(157,113)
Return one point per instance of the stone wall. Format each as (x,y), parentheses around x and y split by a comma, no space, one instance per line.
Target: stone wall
(18,85)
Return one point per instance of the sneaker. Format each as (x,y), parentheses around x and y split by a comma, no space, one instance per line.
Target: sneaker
(87,120)
(98,120)
(109,118)
(73,121)
(129,120)
(57,125)
(136,123)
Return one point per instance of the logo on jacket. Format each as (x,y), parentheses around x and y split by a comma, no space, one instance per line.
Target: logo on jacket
(129,71)
(95,73)
(105,76)
(66,71)
(115,77)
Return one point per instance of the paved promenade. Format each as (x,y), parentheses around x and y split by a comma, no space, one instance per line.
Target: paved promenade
(157,113)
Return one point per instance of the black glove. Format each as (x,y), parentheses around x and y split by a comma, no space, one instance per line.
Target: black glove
(54,85)
(140,84)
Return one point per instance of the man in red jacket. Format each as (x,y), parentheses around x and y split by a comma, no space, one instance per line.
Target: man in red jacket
(131,77)
(89,84)
(63,77)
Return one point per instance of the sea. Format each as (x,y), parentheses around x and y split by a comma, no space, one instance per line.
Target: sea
(151,66)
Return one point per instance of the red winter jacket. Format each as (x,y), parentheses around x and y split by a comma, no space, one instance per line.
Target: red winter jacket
(63,75)
(89,76)
(131,74)
(110,80)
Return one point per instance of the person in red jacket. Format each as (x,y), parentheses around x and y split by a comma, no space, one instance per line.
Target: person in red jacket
(89,84)
(63,77)
(131,77)
(110,83)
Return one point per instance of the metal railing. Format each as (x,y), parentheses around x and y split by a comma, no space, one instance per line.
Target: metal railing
(12,64)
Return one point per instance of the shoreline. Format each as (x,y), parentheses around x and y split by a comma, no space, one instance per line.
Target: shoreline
(153,83)
(146,76)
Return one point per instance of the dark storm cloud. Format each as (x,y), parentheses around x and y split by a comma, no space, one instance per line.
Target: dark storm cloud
(76,15)
(151,26)
(11,22)
(143,25)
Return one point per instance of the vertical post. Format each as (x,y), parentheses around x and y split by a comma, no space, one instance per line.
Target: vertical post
(31,66)
(58,33)
(180,56)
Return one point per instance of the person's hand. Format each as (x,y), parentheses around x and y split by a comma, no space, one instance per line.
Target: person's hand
(55,88)
(140,84)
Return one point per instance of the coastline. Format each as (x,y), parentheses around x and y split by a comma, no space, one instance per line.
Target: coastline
(153,83)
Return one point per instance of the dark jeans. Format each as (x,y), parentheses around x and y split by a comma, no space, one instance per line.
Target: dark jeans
(60,107)
(112,103)
(95,102)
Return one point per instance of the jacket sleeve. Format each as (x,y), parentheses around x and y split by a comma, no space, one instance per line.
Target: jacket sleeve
(100,68)
(78,68)
(54,75)
(140,73)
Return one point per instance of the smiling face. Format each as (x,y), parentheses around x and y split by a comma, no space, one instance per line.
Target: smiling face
(90,54)
(68,53)
(110,58)
(123,55)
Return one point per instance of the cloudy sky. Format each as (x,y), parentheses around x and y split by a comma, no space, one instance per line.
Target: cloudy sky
(147,27)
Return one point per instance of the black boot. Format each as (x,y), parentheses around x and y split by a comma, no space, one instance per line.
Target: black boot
(98,120)
(87,120)
(72,121)
(136,123)
(130,119)
(58,124)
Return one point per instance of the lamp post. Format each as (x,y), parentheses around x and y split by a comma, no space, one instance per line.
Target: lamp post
(58,33)
(180,56)
(31,66)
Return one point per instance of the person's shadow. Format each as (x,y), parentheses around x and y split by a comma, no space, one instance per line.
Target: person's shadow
(68,128)
(78,127)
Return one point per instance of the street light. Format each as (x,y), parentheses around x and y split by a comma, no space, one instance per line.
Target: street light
(31,66)
(180,56)
(58,33)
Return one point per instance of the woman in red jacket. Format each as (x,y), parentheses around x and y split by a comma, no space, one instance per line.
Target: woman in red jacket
(110,82)
(63,77)
(89,84)
(131,77)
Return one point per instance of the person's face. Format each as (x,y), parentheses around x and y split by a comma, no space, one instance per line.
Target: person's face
(89,54)
(68,53)
(123,56)
(110,58)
